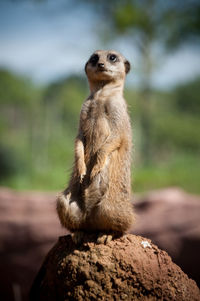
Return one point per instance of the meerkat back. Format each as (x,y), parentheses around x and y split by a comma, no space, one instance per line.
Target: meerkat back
(98,196)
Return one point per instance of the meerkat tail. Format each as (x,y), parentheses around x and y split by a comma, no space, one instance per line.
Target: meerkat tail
(69,212)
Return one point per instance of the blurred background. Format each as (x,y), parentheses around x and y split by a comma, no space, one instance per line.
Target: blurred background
(44,47)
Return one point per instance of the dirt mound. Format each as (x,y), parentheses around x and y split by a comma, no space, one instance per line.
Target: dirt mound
(171,219)
(29,227)
(128,268)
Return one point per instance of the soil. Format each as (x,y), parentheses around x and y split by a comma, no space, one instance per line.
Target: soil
(29,227)
(127,268)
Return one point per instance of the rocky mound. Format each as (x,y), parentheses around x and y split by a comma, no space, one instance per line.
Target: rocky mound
(29,227)
(128,268)
(170,217)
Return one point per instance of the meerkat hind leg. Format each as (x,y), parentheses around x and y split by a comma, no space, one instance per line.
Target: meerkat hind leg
(104,238)
(78,237)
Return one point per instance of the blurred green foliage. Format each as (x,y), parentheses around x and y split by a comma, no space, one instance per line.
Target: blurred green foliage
(154,27)
(145,24)
(38,126)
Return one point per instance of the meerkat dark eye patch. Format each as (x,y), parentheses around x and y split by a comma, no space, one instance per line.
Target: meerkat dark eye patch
(94,59)
(113,58)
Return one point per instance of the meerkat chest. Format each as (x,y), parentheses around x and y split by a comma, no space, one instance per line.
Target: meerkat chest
(94,121)
(92,111)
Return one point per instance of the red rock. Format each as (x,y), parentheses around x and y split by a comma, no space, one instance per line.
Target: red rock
(128,268)
(29,227)
(171,219)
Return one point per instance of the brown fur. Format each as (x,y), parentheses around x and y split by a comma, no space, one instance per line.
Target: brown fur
(98,195)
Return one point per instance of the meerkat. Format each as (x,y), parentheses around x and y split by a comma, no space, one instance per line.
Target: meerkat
(97,198)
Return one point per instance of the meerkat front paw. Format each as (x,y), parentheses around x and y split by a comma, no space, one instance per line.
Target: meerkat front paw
(82,177)
(96,169)
(101,162)
(82,170)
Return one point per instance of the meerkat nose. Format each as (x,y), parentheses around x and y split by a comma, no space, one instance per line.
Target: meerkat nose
(101,65)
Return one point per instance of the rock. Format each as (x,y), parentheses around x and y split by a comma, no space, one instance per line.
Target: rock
(29,227)
(171,219)
(128,268)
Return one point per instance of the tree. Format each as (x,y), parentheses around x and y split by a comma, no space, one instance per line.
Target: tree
(153,26)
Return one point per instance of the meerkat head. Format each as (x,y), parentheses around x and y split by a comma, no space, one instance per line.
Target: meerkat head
(106,65)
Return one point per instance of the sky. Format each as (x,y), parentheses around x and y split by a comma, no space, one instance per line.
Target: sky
(46,40)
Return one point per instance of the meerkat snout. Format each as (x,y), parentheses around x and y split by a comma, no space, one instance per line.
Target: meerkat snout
(106,65)
(101,65)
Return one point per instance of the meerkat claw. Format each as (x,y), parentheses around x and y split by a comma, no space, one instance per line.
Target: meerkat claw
(82,177)
(104,238)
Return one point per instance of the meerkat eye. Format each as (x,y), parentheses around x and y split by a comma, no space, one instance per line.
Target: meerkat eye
(94,59)
(112,57)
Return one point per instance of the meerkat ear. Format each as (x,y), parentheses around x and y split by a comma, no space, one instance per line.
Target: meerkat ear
(86,67)
(127,66)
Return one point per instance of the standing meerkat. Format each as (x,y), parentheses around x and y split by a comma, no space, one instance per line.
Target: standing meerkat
(98,196)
